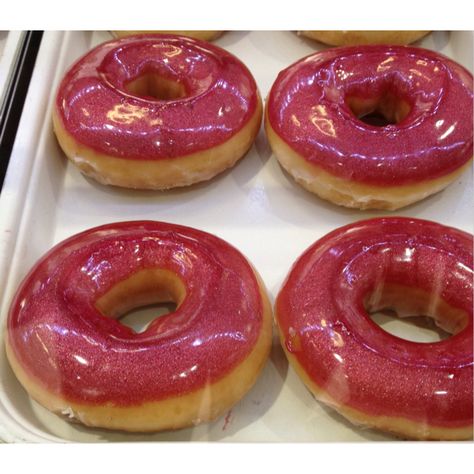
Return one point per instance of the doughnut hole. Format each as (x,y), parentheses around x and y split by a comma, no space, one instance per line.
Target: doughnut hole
(380,111)
(141,298)
(414,314)
(155,86)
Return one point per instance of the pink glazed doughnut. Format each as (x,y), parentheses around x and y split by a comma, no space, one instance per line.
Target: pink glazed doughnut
(372,126)
(354,37)
(373,378)
(205,35)
(156,111)
(74,357)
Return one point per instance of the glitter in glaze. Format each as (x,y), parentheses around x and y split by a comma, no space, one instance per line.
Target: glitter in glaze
(58,334)
(308,108)
(98,111)
(323,323)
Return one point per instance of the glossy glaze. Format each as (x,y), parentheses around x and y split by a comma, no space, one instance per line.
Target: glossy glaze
(320,311)
(58,335)
(307,108)
(98,111)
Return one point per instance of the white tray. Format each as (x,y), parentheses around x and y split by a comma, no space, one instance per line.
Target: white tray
(254,206)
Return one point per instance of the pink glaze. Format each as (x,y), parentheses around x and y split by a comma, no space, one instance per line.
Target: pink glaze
(321,316)
(97,110)
(307,108)
(60,337)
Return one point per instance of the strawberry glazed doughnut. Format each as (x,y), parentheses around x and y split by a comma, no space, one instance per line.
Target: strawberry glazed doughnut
(373,378)
(352,38)
(74,357)
(156,111)
(205,35)
(376,127)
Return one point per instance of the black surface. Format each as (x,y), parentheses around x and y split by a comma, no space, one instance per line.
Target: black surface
(15,97)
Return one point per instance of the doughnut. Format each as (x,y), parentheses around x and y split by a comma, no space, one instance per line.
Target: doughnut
(372,127)
(371,377)
(156,112)
(197,34)
(354,38)
(70,352)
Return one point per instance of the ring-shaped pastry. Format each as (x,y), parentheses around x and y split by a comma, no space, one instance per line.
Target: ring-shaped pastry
(354,38)
(372,126)
(374,378)
(156,111)
(205,35)
(70,352)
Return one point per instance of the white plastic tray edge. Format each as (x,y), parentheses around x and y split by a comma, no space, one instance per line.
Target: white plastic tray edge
(16,189)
